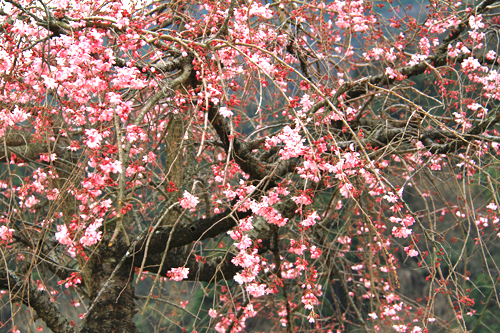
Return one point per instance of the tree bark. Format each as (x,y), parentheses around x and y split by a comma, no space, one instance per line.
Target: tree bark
(113,309)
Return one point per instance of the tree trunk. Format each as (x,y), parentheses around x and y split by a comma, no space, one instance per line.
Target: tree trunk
(114,308)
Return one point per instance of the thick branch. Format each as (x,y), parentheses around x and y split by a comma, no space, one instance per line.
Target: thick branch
(205,269)
(27,153)
(241,154)
(14,138)
(185,234)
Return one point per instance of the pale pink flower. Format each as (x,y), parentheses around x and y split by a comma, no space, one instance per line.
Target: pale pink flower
(310,220)
(256,290)
(475,22)
(297,247)
(30,202)
(246,223)
(408,221)
(344,240)
(49,82)
(244,276)
(401,232)
(212,313)
(470,64)
(225,112)
(309,300)
(92,236)
(491,55)
(411,252)
(245,259)
(6,234)
(492,206)
(189,201)
(52,194)
(400,328)
(110,166)
(48,157)
(94,138)
(244,243)
(315,252)
(62,235)
(178,274)
(259,10)
(302,199)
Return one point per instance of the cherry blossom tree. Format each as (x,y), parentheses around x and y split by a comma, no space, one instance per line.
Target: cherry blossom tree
(205,165)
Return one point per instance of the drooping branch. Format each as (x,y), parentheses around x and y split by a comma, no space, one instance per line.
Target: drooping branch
(441,58)
(40,301)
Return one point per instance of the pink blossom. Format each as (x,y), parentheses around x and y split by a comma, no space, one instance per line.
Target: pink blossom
(225,112)
(293,142)
(109,166)
(246,223)
(411,252)
(127,77)
(94,138)
(475,22)
(492,206)
(401,232)
(400,328)
(245,259)
(470,64)
(408,221)
(309,300)
(30,202)
(344,240)
(490,55)
(297,247)
(259,10)
(256,290)
(302,199)
(310,220)
(425,45)
(62,235)
(52,194)
(244,276)
(244,243)
(315,252)
(92,236)
(49,82)
(212,313)
(48,157)
(178,274)
(188,201)
(6,234)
